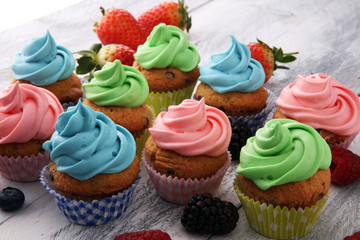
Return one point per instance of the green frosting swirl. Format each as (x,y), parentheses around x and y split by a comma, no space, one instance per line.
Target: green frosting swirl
(167,46)
(283,151)
(117,85)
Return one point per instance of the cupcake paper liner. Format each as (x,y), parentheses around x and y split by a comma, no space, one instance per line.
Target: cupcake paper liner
(345,144)
(23,169)
(160,101)
(140,141)
(279,223)
(180,191)
(90,213)
(257,121)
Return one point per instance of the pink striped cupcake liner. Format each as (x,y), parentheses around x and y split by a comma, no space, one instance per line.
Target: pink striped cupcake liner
(23,169)
(179,191)
(345,144)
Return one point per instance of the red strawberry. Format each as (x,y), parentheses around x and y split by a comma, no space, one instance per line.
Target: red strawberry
(95,58)
(144,235)
(268,57)
(345,166)
(120,27)
(170,13)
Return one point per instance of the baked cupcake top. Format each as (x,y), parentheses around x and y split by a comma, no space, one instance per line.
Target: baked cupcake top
(283,151)
(117,85)
(192,128)
(27,112)
(87,143)
(42,62)
(323,103)
(233,70)
(167,46)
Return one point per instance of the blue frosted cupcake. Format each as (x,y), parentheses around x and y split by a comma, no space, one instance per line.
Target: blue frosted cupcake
(94,169)
(233,82)
(45,64)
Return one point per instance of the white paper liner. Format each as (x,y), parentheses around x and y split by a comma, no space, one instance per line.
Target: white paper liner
(90,213)
(23,169)
(180,191)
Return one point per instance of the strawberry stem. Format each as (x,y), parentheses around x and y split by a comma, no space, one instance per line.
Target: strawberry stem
(186,19)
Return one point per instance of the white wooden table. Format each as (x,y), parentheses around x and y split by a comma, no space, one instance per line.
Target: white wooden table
(325,32)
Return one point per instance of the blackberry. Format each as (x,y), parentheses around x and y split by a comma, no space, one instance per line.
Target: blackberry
(239,136)
(205,214)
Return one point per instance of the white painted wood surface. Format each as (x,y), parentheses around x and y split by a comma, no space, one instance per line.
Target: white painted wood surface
(325,32)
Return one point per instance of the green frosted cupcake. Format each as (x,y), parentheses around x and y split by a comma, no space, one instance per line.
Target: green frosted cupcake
(283,178)
(120,92)
(169,63)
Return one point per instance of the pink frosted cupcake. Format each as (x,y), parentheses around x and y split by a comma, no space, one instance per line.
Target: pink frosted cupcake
(186,152)
(27,119)
(323,103)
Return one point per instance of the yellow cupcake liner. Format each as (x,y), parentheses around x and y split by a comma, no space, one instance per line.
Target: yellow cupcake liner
(279,223)
(160,101)
(140,141)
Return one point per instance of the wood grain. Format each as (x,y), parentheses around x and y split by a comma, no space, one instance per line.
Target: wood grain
(325,32)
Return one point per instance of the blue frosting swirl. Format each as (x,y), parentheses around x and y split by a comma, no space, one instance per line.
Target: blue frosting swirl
(42,62)
(233,70)
(87,143)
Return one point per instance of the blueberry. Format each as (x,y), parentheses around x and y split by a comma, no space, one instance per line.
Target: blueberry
(11,199)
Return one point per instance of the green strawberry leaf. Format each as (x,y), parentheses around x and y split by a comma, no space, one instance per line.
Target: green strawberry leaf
(86,53)
(278,54)
(96,47)
(85,65)
(282,67)
(287,59)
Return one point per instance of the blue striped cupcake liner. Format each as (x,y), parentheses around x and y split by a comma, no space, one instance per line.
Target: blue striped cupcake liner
(257,121)
(90,213)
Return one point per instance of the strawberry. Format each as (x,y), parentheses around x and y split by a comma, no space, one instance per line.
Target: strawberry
(120,27)
(170,13)
(268,57)
(95,58)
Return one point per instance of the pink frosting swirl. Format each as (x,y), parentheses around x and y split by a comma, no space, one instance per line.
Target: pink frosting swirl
(321,102)
(27,112)
(192,128)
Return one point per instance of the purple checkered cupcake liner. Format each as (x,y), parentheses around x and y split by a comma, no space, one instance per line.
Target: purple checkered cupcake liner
(90,213)
(179,191)
(23,169)
(257,121)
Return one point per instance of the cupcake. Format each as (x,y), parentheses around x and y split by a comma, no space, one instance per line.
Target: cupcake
(169,63)
(94,168)
(186,152)
(283,178)
(120,91)
(50,66)
(233,82)
(323,103)
(27,119)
